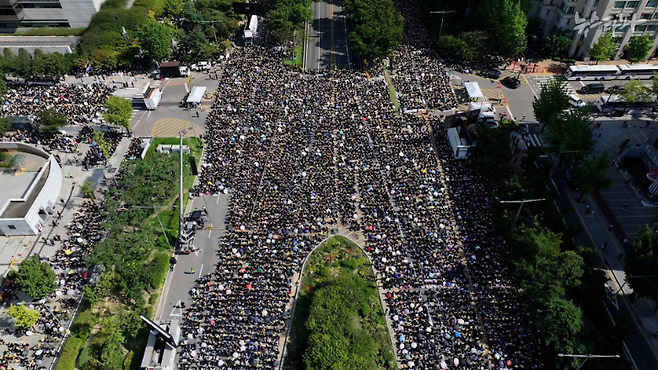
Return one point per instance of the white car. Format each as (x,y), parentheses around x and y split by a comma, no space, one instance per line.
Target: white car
(575,101)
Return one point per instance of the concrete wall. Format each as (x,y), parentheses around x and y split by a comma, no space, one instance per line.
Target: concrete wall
(80,12)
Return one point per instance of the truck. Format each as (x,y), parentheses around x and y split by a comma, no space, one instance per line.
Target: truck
(250,30)
(173,69)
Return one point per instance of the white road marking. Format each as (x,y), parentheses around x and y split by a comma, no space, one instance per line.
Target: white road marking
(209,232)
(177,307)
(217,202)
(200,270)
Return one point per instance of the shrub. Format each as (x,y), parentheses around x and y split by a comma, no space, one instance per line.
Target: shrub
(70,354)
(156,271)
(128,360)
(84,356)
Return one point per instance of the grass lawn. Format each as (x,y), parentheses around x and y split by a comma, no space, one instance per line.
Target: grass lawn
(298,60)
(391,90)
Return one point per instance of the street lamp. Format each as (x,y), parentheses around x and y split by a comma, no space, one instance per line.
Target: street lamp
(443,14)
(522,201)
(587,357)
(632,277)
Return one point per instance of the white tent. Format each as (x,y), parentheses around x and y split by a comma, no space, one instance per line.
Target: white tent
(197,94)
(473,90)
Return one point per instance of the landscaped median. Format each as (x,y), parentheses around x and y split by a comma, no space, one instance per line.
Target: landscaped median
(109,333)
(338,320)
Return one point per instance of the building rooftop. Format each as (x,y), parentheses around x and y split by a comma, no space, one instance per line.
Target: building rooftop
(16,187)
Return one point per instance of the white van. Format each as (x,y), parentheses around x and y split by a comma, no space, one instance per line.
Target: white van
(575,101)
(201,66)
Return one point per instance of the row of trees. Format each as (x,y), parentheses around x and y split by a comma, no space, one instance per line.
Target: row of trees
(564,287)
(637,49)
(378,27)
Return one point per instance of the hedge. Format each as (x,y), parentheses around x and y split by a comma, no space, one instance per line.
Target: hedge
(70,354)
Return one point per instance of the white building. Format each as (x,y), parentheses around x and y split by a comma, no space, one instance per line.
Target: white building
(30,189)
(586,20)
(24,14)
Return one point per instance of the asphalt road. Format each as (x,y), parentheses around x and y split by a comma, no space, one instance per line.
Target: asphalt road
(326,45)
(203,261)
(519,100)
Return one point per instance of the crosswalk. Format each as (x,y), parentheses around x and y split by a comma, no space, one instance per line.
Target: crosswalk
(170,127)
(540,81)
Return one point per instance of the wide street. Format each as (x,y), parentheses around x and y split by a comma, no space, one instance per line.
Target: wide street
(326,43)
(169,118)
(519,101)
(203,260)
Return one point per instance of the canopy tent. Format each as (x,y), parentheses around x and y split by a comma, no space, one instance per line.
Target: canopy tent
(197,94)
(472,88)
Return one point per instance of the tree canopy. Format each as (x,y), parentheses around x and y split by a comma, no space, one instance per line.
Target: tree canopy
(570,132)
(591,176)
(492,153)
(638,48)
(378,27)
(24,317)
(36,278)
(642,260)
(50,120)
(555,44)
(506,21)
(552,101)
(155,40)
(118,111)
(604,48)
(634,91)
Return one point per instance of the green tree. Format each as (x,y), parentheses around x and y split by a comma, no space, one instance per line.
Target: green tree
(24,317)
(555,44)
(591,176)
(604,48)
(570,132)
(155,40)
(469,45)
(104,145)
(36,278)
(174,8)
(50,120)
(5,125)
(378,27)
(654,84)
(3,89)
(118,111)
(634,91)
(642,260)
(506,22)
(638,48)
(563,322)
(551,102)
(492,153)
(87,190)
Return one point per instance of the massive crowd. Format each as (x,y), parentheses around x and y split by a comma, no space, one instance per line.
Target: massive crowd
(302,153)
(80,104)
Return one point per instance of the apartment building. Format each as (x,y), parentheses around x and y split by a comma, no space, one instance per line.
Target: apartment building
(586,20)
(24,14)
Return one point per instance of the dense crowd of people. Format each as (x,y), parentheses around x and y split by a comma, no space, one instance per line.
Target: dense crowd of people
(303,153)
(79,103)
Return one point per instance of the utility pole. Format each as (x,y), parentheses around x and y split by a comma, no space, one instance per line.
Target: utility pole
(443,14)
(213,27)
(157,214)
(180,194)
(522,201)
(587,357)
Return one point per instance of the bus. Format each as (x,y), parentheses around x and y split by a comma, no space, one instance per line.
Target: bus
(637,71)
(615,105)
(578,73)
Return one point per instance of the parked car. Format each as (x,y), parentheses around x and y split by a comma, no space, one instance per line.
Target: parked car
(511,82)
(491,73)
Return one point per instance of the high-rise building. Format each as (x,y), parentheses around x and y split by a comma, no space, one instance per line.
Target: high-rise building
(586,20)
(17,14)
